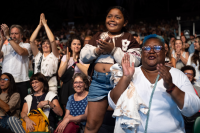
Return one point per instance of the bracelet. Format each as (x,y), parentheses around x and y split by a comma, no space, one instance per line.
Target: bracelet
(170,90)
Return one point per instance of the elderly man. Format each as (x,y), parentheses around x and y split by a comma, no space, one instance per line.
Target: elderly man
(15,57)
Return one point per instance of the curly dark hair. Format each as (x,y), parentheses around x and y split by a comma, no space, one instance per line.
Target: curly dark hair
(70,42)
(41,78)
(124,12)
(84,78)
(12,86)
(195,56)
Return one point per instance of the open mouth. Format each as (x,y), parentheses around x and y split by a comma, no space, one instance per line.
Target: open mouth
(112,25)
(151,57)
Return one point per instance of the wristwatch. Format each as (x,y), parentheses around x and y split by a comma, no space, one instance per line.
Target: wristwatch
(9,39)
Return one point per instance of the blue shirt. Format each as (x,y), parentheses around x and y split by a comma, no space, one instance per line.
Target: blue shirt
(191,49)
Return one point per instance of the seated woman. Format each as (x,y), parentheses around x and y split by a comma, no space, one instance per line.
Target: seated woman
(40,97)
(76,108)
(9,99)
(46,61)
(174,94)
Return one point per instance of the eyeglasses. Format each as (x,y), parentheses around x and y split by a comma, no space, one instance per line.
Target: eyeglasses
(4,79)
(191,74)
(155,48)
(80,82)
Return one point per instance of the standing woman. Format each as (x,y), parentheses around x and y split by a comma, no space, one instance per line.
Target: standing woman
(67,61)
(194,60)
(46,61)
(180,55)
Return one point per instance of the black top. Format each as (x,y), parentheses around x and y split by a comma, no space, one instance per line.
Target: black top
(34,106)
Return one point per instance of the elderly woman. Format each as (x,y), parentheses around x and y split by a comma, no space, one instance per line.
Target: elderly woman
(40,98)
(173,96)
(46,61)
(76,108)
(9,99)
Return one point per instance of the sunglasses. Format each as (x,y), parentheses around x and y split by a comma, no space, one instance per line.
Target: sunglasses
(155,48)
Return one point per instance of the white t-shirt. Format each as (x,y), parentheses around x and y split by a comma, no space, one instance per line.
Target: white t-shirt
(196,67)
(49,66)
(165,116)
(14,63)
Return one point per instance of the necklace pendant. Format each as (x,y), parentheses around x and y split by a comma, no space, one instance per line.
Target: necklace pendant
(152,86)
(37,102)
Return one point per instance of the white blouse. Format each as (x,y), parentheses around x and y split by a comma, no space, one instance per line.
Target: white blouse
(49,66)
(165,115)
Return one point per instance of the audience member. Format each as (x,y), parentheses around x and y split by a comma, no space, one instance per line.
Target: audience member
(194,60)
(76,108)
(9,99)
(169,61)
(103,50)
(87,39)
(131,96)
(15,57)
(46,61)
(71,58)
(42,98)
(180,56)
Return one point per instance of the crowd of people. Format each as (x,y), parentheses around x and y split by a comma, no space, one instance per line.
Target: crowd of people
(100,79)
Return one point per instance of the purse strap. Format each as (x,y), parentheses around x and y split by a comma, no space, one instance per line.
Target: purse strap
(146,126)
(39,109)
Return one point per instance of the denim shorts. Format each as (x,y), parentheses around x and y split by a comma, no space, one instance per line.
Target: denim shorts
(100,86)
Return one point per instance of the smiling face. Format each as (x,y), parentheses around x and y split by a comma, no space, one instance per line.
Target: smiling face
(178,45)
(115,21)
(79,85)
(4,82)
(16,35)
(46,48)
(151,59)
(76,46)
(37,85)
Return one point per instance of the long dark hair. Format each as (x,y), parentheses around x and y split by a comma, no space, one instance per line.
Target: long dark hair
(12,86)
(41,78)
(70,42)
(195,56)
(124,12)
(84,78)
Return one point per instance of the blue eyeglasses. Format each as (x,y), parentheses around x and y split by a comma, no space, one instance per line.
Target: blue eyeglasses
(155,48)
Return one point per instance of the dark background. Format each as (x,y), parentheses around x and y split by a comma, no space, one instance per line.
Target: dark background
(93,11)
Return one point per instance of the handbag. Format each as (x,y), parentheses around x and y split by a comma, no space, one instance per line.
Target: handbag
(68,74)
(40,119)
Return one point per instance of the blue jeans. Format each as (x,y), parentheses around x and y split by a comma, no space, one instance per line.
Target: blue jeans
(100,86)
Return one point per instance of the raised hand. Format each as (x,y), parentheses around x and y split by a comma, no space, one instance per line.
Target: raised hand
(105,45)
(164,73)
(42,18)
(67,55)
(5,29)
(3,38)
(128,70)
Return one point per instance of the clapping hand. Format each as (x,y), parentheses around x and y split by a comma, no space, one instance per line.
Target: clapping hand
(42,19)
(165,74)
(67,55)
(5,30)
(3,38)
(105,45)
(128,70)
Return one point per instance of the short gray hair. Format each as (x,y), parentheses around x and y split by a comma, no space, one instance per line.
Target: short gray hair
(18,27)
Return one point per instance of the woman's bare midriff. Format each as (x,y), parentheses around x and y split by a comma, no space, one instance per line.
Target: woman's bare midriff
(102,67)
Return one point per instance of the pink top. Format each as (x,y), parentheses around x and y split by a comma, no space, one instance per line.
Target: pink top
(71,62)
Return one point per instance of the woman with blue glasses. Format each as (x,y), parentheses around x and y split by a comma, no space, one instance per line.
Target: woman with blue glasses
(151,98)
